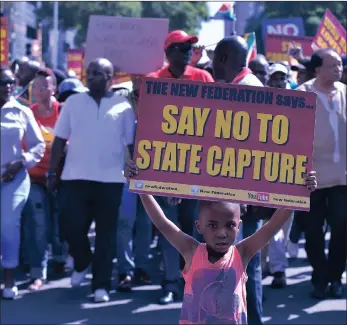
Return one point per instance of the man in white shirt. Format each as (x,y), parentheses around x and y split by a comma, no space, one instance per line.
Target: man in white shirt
(98,125)
(329,202)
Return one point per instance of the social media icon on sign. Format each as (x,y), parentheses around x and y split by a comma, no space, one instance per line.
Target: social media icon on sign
(194,189)
(139,185)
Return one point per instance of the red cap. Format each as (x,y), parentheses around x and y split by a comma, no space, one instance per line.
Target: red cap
(179,36)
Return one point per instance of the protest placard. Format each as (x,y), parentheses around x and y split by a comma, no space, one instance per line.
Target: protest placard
(224,142)
(3,41)
(330,34)
(133,45)
(277,46)
(293,26)
(75,61)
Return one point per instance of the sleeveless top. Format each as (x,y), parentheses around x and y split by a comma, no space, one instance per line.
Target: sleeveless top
(215,293)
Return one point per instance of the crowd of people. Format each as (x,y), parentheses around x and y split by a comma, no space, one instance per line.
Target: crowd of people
(63,152)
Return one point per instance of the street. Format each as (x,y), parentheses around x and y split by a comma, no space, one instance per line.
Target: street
(58,304)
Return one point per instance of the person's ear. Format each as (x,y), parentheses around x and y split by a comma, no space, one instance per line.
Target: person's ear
(240,223)
(223,58)
(168,52)
(198,226)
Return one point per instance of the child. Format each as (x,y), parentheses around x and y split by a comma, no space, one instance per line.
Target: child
(215,272)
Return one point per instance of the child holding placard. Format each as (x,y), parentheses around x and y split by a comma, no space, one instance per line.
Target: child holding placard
(215,272)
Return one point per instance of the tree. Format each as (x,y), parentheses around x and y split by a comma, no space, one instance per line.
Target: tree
(182,15)
(186,16)
(311,12)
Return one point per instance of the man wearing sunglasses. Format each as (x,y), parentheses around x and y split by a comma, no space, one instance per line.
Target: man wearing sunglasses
(178,50)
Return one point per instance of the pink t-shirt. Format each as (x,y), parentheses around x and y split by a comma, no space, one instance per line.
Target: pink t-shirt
(215,293)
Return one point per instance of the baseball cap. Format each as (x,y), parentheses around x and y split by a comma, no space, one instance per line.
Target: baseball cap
(277,67)
(179,36)
(72,84)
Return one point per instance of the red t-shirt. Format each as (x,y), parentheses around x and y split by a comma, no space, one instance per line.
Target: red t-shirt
(46,124)
(190,73)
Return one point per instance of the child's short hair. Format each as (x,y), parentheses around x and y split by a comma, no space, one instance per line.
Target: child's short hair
(204,204)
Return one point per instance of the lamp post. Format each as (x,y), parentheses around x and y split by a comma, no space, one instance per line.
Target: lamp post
(55,34)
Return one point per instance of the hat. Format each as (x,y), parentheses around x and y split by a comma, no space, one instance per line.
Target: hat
(277,67)
(179,36)
(72,84)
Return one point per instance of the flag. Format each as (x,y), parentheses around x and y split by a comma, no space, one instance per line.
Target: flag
(252,46)
(225,12)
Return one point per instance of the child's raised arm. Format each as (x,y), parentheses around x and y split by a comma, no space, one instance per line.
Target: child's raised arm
(184,243)
(251,245)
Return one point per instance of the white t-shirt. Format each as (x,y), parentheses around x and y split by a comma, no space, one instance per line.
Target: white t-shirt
(250,80)
(18,123)
(97,136)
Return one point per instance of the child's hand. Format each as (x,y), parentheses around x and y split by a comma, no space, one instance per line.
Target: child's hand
(130,170)
(311,181)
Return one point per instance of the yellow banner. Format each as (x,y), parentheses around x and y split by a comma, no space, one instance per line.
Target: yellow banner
(227,194)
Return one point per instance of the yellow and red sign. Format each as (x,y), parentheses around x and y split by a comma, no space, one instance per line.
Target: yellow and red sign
(4,41)
(75,61)
(278,46)
(214,141)
(330,34)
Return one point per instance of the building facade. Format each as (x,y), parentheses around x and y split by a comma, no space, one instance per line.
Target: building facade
(22,27)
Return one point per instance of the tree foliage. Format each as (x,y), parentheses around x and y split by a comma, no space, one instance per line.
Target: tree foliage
(182,15)
(311,12)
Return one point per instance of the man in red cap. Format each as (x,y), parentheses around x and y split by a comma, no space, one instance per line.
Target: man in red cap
(178,49)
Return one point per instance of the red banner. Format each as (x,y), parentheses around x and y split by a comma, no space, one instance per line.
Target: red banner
(4,41)
(75,61)
(228,142)
(277,46)
(330,34)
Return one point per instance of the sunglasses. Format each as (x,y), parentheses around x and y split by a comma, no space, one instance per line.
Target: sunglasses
(183,47)
(4,83)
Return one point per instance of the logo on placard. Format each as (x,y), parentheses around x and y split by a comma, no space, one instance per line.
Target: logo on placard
(262,197)
(194,189)
(139,185)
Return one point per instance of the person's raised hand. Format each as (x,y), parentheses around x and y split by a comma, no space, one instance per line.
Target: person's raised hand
(130,170)
(197,55)
(311,181)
